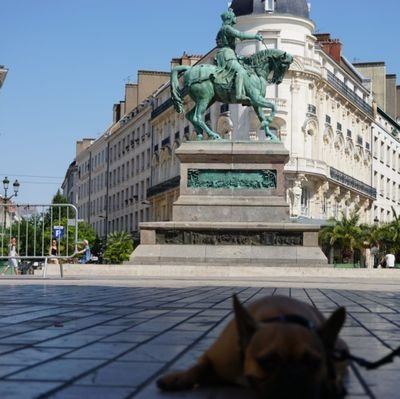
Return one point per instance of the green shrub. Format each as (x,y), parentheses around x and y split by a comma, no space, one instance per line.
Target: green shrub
(119,247)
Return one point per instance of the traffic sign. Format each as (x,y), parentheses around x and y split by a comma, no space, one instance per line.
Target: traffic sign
(58,231)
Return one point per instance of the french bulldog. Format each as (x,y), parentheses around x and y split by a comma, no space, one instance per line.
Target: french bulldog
(277,346)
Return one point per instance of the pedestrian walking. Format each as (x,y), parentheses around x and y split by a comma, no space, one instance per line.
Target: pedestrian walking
(12,260)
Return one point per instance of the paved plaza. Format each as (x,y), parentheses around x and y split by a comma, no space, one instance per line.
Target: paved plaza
(77,338)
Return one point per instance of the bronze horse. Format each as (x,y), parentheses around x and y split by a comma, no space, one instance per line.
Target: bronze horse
(206,83)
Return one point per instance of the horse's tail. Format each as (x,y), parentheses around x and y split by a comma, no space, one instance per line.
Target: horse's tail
(176,95)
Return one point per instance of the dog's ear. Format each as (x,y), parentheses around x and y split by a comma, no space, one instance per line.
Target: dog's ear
(245,323)
(330,329)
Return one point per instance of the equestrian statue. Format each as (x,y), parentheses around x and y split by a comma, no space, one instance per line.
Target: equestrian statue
(231,79)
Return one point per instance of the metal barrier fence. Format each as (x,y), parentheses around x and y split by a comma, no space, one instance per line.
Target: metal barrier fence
(35,227)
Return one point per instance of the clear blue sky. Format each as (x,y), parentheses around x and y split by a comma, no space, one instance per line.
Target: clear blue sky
(68,62)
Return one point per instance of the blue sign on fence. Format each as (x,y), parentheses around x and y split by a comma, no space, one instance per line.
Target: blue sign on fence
(58,231)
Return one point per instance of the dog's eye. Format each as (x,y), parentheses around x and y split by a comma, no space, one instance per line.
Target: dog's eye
(311,360)
(269,362)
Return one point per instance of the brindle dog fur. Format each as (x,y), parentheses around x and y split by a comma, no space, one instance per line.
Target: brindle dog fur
(278,346)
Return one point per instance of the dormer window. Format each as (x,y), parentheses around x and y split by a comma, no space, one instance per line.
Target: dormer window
(269,5)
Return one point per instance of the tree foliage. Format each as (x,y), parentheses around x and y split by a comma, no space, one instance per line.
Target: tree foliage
(347,235)
(119,247)
(344,233)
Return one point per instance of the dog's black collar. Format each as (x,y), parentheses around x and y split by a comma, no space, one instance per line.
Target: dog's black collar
(291,318)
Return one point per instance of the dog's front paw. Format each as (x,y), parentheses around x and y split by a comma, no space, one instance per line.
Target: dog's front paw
(176,382)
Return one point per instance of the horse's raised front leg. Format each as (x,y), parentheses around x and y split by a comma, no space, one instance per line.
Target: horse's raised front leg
(259,104)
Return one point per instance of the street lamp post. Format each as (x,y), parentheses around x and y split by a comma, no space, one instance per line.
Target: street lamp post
(6,183)
(6,198)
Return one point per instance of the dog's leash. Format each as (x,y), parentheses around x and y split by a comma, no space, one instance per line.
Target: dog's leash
(344,355)
(338,355)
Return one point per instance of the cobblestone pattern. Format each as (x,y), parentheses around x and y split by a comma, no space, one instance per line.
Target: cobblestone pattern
(113,342)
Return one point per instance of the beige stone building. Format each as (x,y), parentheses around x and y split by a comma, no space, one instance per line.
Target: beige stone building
(331,116)
(169,130)
(324,118)
(110,175)
(386,167)
(386,140)
(3,74)
(383,85)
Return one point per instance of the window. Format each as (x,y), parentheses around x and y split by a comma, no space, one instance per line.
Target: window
(142,190)
(324,206)
(382,152)
(269,5)
(305,201)
(388,156)
(327,119)
(336,207)
(148,157)
(224,108)
(388,187)
(311,109)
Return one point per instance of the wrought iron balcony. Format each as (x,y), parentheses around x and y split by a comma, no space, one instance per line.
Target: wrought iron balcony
(163,107)
(351,182)
(343,89)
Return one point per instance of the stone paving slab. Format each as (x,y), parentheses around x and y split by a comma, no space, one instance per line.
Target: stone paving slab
(76,340)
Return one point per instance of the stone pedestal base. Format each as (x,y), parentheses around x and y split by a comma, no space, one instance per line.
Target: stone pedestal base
(231,211)
(228,181)
(268,244)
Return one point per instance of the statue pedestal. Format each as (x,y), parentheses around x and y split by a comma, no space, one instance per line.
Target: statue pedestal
(231,210)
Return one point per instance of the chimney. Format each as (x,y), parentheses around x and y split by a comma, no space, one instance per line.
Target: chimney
(332,47)
(186,59)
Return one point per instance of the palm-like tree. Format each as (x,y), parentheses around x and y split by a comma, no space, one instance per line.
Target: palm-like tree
(119,247)
(344,233)
(392,236)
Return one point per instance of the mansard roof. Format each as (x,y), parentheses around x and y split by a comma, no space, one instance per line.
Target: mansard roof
(298,8)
